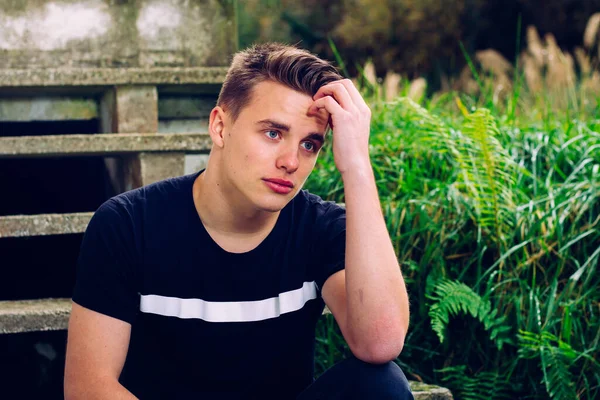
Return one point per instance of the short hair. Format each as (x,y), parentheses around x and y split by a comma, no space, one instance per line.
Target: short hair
(295,68)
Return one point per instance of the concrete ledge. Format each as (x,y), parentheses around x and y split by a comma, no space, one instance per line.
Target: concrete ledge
(108,144)
(43,224)
(34,315)
(110,76)
(423,391)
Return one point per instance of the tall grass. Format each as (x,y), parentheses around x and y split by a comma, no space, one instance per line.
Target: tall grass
(495,217)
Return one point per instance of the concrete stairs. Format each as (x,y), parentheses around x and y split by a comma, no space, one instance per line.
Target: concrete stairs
(141,148)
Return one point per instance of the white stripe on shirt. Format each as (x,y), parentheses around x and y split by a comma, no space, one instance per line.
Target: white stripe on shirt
(229,311)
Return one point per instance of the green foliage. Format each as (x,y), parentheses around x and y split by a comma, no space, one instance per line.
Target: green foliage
(484,168)
(487,173)
(452,298)
(556,358)
(495,219)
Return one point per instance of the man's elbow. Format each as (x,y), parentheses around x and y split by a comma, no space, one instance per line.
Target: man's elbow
(379,354)
(380,349)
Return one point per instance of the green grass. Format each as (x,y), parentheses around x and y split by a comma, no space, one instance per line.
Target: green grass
(494,212)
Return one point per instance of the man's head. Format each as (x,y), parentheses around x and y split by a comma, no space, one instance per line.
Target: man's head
(261,128)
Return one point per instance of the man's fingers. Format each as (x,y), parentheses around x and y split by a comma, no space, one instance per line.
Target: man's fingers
(339,92)
(354,94)
(327,103)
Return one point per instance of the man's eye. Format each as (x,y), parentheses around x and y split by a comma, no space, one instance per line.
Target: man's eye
(272,134)
(311,146)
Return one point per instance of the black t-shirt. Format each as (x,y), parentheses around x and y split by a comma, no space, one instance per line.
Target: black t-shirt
(207,323)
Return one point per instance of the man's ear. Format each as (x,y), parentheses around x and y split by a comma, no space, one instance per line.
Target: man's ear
(216,126)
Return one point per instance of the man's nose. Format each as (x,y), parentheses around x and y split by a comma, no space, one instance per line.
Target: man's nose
(288,160)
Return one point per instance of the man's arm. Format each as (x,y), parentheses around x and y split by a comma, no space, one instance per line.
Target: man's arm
(368,299)
(96,350)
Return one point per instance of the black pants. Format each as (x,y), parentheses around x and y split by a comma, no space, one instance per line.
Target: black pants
(353,379)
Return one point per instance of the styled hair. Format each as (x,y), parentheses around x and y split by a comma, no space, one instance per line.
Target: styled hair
(295,68)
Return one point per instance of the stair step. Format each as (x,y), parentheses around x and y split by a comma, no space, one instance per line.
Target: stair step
(34,315)
(43,224)
(106,144)
(70,77)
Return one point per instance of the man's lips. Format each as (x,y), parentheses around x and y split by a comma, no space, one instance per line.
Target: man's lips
(281,182)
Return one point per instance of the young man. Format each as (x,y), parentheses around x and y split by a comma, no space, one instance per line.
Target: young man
(209,286)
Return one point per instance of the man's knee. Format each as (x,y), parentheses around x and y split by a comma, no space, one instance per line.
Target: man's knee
(379,381)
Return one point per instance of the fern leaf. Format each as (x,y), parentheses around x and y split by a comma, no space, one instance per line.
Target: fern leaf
(555,357)
(485,166)
(452,298)
(560,384)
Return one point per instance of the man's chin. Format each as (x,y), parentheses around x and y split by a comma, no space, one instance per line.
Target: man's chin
(274,205)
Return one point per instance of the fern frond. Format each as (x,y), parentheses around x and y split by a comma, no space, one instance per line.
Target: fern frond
(486,172)
(480,386)
(560,384)
(555,357)
(452,298)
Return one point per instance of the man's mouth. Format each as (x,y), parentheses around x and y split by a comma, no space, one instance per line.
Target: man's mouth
(280,186)
(281,182)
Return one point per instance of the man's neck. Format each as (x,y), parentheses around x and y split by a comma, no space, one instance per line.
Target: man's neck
(221,211)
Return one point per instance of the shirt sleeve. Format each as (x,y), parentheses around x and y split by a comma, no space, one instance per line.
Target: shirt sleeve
(105,280)
(332,242)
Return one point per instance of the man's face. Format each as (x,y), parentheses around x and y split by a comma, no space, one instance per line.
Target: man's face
(272,147)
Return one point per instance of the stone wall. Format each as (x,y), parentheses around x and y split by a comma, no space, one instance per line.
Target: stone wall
(116,33)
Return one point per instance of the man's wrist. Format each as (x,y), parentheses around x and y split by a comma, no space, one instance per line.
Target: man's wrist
(358,172)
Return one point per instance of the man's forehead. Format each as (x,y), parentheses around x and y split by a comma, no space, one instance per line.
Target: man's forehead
(274,101)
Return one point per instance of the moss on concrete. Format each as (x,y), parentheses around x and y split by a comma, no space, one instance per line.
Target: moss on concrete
(423,391)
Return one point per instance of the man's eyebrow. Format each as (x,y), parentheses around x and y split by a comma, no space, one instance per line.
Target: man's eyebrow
(284,127)
(274,124)
(317,137)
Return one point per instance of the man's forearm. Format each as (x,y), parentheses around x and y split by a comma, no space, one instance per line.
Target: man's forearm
(377,302)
